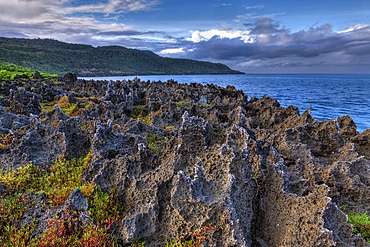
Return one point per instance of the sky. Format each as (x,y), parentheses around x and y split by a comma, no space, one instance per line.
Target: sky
(270,36)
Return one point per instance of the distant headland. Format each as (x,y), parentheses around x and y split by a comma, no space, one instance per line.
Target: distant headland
(55,57)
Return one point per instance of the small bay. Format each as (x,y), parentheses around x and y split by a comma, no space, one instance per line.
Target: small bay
(330,96)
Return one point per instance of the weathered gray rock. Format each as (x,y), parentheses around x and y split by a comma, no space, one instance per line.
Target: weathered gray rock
(77,201)
(41,146)
(70,77)
(23,102)
(265,174)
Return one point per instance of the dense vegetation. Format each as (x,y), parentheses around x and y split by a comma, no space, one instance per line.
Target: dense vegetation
(57,57)
(9,71)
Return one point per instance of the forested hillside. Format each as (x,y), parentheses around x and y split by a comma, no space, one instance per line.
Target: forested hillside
(57,57)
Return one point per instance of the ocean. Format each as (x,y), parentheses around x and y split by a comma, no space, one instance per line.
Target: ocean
(330,96)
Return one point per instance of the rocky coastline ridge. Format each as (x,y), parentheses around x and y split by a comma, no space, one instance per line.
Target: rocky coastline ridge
(187,156)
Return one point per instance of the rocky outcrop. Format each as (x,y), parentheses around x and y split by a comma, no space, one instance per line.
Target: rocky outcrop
(23,102)
(70,77)
(267,175)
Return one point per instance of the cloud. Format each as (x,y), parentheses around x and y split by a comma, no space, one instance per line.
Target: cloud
(263,25)
(253,16)
(12,9)
(255,7)
(259,43)
(57,19)
(197,36)
(276,47)
(355,27)
(127,33)
(113,7)
(172,51)
(244,17)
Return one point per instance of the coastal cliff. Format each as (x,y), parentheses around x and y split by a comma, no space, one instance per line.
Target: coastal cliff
(184,157)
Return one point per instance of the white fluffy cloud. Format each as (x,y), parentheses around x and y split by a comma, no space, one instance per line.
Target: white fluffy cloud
(354,27)
(197,36)
(173,51)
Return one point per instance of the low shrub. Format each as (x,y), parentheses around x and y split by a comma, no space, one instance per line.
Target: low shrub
(198,236)
(6,140)
(154,142)
(70,109)
(137,114)
(360,223)
(57,183)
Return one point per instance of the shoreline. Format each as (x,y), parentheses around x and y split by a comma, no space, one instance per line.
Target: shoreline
(128,74)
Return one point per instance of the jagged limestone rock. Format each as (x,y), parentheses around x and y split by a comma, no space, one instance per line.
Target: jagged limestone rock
(265,174)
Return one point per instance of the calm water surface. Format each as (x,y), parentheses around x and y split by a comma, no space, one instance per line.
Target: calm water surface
(330,96)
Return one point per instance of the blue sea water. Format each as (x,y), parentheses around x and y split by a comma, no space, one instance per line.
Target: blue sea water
(330,96)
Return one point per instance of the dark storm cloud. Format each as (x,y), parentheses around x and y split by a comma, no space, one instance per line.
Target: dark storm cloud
(359,49)
(278,47)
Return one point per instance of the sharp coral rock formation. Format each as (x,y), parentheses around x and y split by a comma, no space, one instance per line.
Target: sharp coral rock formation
(192,155)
